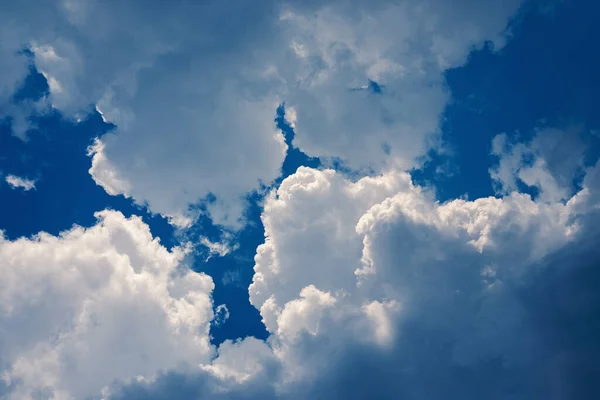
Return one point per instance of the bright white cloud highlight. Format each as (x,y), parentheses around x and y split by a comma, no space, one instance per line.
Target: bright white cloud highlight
(94,305)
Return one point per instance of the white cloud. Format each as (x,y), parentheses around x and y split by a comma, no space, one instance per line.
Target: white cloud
(190,122)
(243,370)
(350,270)
(304,313)
(405,46)
(16,182)
(549,162)
(371,289)
(327,206)
(322,230)
(219,249)
(194,95)
(94,305)
(371,277)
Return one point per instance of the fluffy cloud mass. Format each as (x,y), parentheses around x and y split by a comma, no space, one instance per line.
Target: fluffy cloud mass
(370,278)
(378,264)
(193,89)
(373,289)
(368,287)
(370,86)
(94,305)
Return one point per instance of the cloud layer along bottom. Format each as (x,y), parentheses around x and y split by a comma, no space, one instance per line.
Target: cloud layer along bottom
(369,289)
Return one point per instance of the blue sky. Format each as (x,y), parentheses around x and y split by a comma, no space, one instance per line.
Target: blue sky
(337,200)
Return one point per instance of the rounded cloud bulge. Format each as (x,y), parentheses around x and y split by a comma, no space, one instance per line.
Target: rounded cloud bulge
(188,85)
(93,305)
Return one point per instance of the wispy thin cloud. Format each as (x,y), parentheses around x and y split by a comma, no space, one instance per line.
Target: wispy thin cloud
(20,183)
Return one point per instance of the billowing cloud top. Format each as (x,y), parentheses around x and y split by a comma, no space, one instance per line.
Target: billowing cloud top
(94,305)
(368,286)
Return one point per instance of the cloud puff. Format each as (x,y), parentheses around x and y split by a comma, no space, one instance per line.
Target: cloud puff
(419,299)
(94,305)
(221,314)
(368,288)
(16,182)
(193,100)
(371,289)
(193,86)
(396,53)
(550,162)
(322,230)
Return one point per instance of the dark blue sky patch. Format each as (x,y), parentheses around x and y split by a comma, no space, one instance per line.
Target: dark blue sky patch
(233,273)
(547,75)
(55,156)
(34,88)
(294,157)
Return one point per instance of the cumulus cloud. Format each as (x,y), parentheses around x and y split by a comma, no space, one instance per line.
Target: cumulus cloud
(181,71)
(368,288)
(16,182)
(290,259)
(335,249)
(93,305)
(492,298)
(243,370)
(184,79)
(396,52)
(411,291)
